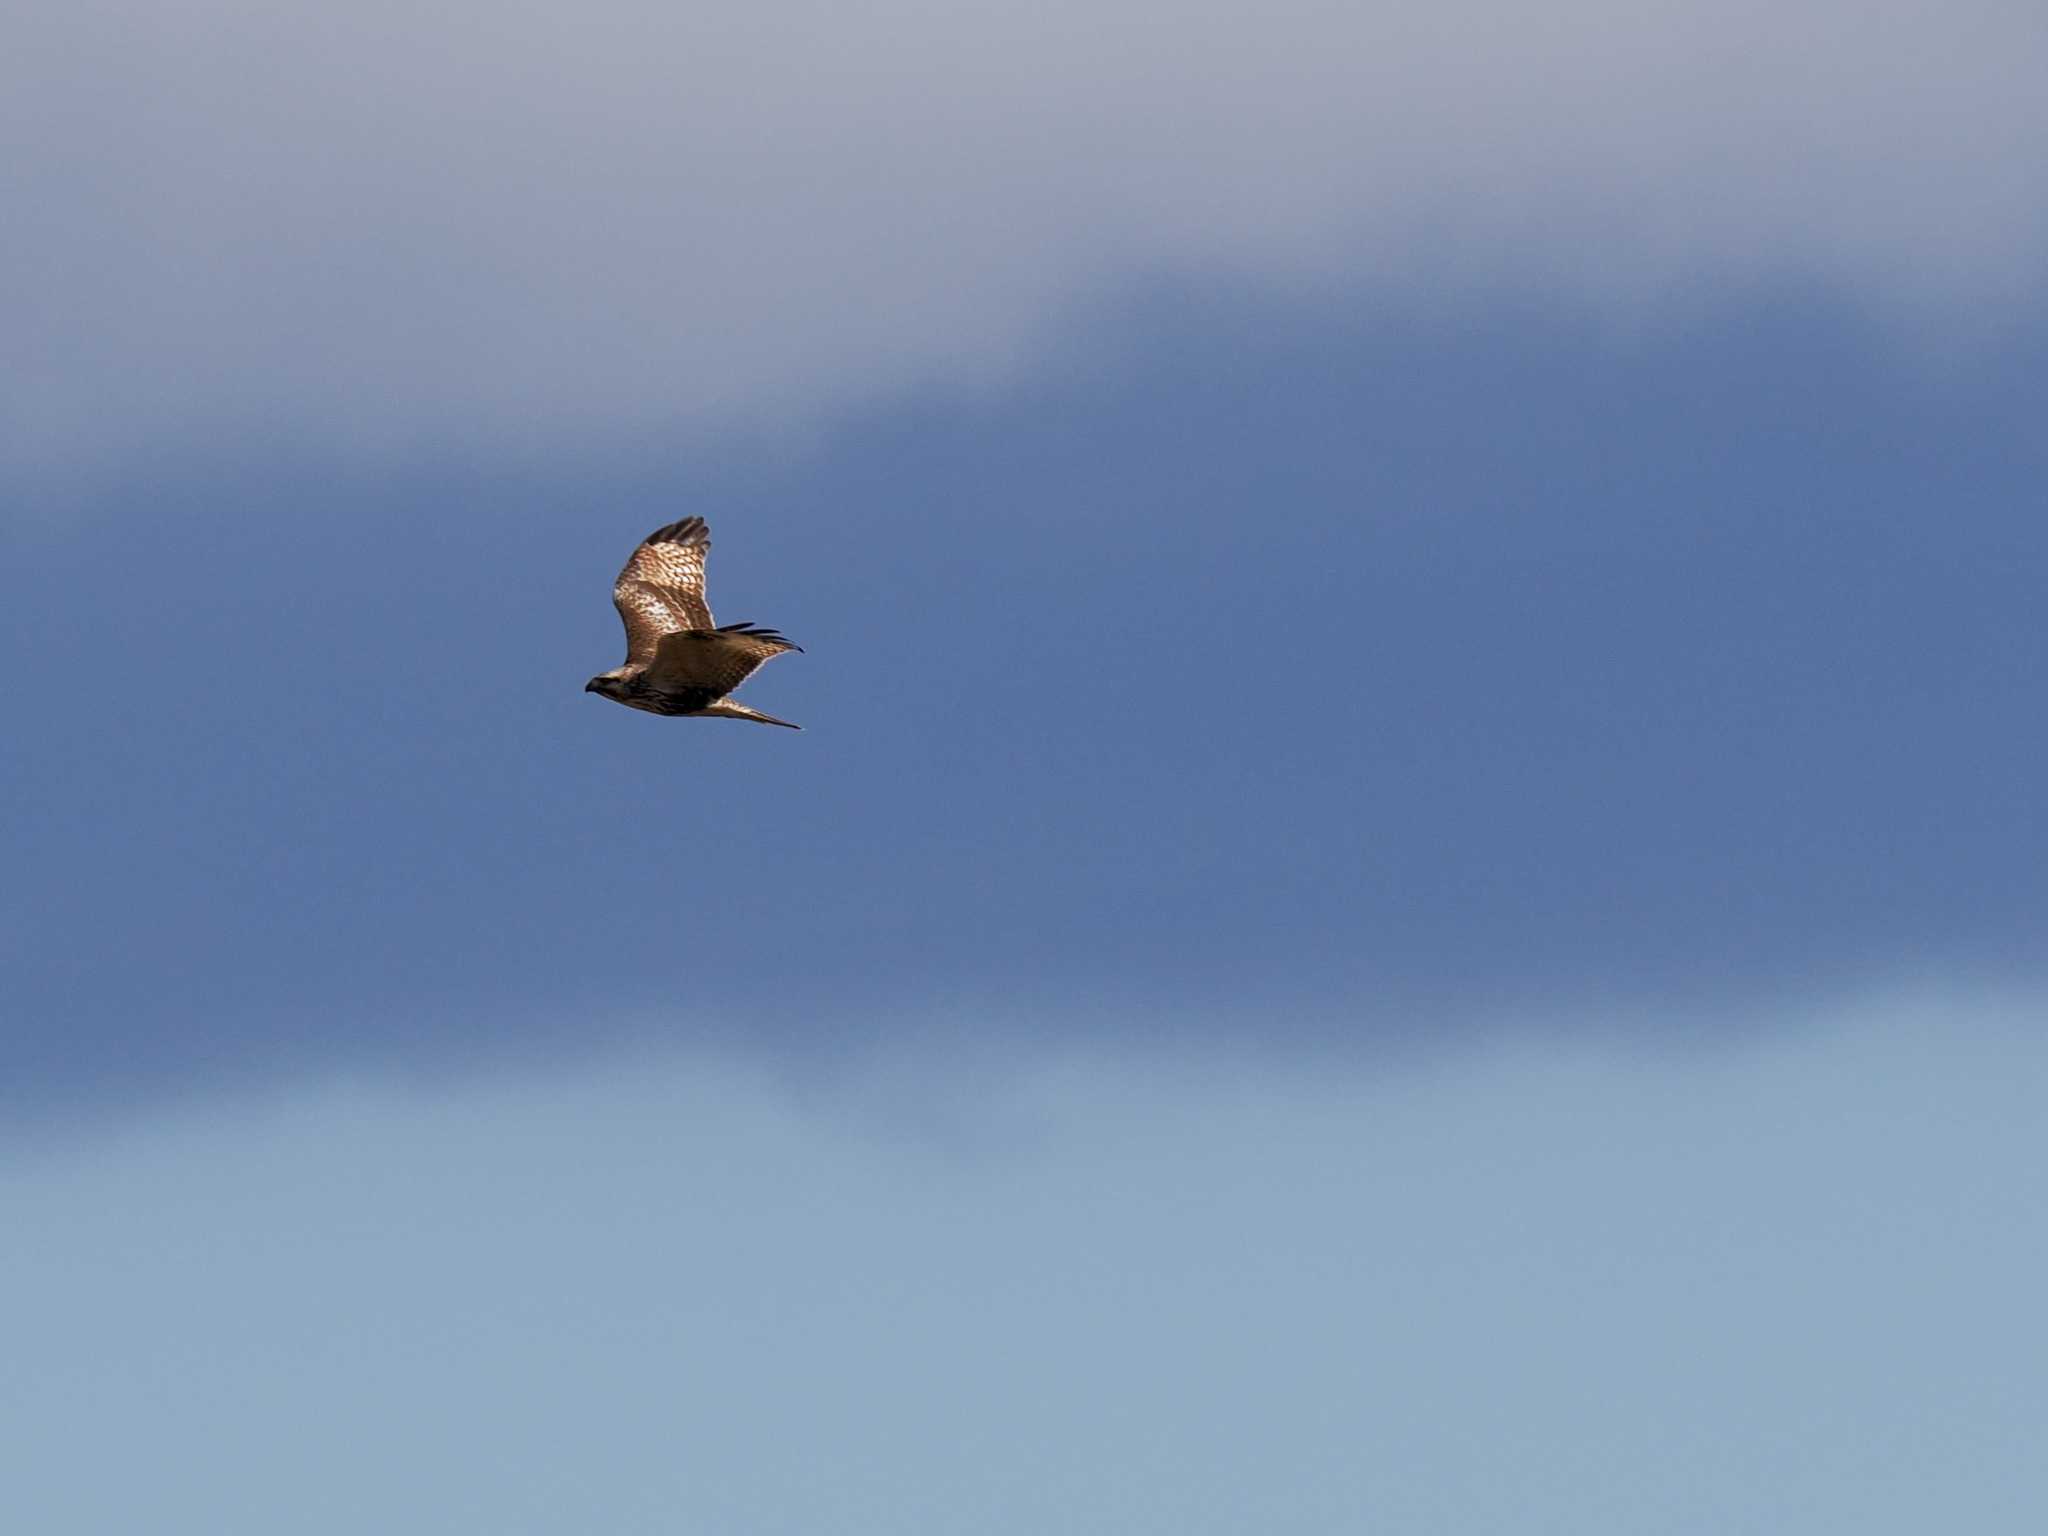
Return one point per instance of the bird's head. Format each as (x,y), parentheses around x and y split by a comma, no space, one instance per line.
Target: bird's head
(610,684)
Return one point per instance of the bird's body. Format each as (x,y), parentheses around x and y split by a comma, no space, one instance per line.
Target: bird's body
(677,661)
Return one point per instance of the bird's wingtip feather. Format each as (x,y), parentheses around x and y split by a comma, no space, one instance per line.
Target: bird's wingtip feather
(688,530)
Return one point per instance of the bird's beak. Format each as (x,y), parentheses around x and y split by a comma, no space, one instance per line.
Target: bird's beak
(591,686)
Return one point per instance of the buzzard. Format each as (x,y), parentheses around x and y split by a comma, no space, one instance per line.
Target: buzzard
(676,662)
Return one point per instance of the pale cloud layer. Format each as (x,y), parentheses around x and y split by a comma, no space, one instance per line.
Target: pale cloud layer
(383,227)
(1787,1285)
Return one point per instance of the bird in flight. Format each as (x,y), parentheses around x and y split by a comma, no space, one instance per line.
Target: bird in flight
(676,662)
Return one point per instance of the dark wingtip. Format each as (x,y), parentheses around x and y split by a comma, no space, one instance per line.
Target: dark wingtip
(748,628)
(688,530)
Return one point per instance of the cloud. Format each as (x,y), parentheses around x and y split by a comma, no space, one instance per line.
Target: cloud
(1554,1289)
(1557,670)
(388,227)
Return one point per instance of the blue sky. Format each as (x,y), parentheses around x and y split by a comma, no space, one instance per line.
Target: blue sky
(1539,1289)
(1411,895)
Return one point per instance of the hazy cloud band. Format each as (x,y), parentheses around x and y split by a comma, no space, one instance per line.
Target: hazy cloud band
(382,226)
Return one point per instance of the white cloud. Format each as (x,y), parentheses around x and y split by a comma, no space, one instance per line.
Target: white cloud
(1551,1287)
(378,225)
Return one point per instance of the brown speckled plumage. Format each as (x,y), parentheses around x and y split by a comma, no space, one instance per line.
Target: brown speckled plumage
(677,661)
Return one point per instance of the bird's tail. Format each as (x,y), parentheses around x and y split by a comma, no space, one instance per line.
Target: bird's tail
(732,709)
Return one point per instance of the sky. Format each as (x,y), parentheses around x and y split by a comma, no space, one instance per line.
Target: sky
(1411,894)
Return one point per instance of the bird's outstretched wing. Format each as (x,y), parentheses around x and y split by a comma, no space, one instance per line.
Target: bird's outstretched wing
(717,659)
(661,590)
